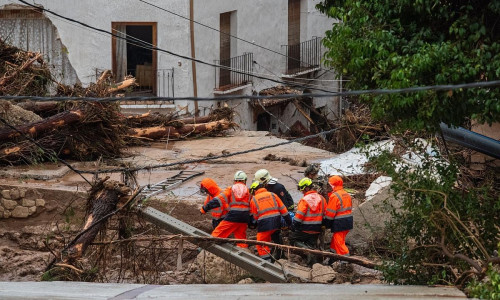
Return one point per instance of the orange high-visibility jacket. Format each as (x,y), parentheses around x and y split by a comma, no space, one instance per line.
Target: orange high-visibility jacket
(310,211)
(216,201)
(339,210)
(239,203)
(266,209)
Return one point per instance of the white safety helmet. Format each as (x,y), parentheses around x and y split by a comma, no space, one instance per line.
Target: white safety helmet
(240,176)
(262,176)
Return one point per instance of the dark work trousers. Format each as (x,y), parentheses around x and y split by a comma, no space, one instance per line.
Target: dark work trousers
(307,241)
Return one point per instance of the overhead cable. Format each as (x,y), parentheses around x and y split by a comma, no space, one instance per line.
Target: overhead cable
(167,51)
(444,87)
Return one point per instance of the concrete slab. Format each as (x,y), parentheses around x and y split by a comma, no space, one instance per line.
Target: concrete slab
(83,290)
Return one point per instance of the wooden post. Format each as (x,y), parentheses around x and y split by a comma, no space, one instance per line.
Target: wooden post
(179,254)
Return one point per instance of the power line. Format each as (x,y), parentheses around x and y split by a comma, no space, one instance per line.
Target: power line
(445,87)
(168,52)
(225,33)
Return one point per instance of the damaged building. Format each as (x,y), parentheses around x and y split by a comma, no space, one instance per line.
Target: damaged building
(279,40)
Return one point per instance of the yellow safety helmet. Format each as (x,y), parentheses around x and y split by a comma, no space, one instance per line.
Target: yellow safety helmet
(303,183)
(255,186)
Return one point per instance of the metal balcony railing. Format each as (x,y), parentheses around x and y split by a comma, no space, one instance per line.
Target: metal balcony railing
(165,83)
(227,78)
(303,57)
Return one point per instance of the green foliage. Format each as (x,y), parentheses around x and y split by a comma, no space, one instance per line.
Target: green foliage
(405,43)
(435,209)
(489,288)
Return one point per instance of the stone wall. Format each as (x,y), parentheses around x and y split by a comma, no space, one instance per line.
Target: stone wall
(20,202)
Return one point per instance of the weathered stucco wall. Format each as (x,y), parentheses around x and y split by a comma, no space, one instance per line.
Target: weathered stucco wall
(261,22)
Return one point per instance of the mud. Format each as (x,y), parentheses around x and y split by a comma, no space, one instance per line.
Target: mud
(26,244)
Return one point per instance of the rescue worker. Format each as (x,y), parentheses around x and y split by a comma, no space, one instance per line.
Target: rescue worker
(272,185)
(236,221)
(308,219)
(338,215)
(267,209)
(212,190)
(320,183)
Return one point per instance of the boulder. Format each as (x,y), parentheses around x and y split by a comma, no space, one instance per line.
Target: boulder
(27,203)
(40,202)
(216,270)
(20,212)
(294,270)
(31,210)
(246,281)
(370,218)
(6,194)
(322,274)
(14,194)
(9,204)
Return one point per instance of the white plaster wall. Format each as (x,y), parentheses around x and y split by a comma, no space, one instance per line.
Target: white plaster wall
(262,22)
(90,50)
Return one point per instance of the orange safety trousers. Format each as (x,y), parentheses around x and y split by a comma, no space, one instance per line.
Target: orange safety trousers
(225,228)
(264,236)
(337,244)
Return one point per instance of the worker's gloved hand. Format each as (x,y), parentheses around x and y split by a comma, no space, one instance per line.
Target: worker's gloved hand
(323,228)
(202,210)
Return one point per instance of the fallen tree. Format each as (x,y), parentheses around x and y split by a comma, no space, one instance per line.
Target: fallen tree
(171,132)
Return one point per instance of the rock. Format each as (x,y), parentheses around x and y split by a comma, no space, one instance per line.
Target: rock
(6,214)
(14,194)
(28,203)
(6,194)
(294,270)
(246,281)
(9,204)
(22,193)
(40,202)
(370,218)
(217,270)
(366,272)
(322,274)
(31,210)
(2,209)
(20,212)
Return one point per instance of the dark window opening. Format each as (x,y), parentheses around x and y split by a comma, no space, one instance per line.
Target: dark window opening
(139,59)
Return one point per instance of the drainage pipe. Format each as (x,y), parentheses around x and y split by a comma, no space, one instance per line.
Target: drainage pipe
(472,140)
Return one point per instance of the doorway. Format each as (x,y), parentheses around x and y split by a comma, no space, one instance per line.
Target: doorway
(133,56)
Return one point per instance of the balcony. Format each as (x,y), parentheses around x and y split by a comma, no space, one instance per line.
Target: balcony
(302,58)
(227,80)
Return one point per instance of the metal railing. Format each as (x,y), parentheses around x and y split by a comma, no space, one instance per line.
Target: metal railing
(165,83)
(303,57)
(226,78)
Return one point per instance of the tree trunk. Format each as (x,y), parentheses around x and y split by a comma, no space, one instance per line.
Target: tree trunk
(40,127)
(105,202)
(39,107)
(160,132)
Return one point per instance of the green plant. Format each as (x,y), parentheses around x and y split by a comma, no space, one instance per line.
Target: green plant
(489,288)
(443,228)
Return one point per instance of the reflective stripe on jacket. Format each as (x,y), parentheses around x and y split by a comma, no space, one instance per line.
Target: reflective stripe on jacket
(217,206)
(339,211)
(266,209)
(310,211)
(239,203)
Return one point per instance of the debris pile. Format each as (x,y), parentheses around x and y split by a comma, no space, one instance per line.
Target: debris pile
(33,132)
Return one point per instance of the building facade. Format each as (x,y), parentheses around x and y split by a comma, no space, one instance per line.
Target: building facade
(153,40)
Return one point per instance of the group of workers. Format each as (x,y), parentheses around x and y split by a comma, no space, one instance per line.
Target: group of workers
(268,207)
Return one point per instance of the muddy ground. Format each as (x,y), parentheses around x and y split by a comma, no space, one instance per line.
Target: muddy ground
(26,244)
